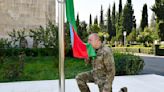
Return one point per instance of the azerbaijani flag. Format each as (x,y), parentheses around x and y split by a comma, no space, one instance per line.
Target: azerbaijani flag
(80,49)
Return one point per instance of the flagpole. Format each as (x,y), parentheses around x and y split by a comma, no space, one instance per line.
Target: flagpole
(61,13)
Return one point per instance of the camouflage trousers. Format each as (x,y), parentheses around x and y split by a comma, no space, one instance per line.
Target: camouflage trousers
(87,77)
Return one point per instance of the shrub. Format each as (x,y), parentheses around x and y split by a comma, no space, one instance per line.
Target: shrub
(48,37)
(5,43)
(128,64)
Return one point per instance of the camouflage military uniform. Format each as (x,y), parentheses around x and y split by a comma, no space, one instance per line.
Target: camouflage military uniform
(102,74)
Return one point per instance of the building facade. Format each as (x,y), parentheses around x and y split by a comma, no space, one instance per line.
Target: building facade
(19,14)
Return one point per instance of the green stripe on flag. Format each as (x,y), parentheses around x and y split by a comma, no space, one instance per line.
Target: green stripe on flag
(70,13)
(91,51)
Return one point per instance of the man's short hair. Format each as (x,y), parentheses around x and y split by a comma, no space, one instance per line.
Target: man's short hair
(93,35)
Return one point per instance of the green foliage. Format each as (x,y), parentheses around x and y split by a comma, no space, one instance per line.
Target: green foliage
(90,20)
(48,37)
(5,43)
(103,35)
(95,28)
(148,35)
(162,46)
(38,68)
(158,9)
(119,23)
(101,18)
(113,40)
(14,70)
(96,21)
(77,20)
(132,36)
(161,30)
(127,64)
(67,38)
(119,29)
(83,34)
(109,24)
(128,17)
(144,20)
(19,36)
(29,52)
(145,50)
(114,20)
(120,7)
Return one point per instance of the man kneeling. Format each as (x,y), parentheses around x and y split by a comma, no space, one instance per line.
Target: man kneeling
(103,71)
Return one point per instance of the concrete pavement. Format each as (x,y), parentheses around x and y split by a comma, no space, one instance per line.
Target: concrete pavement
(139,83)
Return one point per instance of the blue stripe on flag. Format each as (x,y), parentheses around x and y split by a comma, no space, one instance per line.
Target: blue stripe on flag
(72,35)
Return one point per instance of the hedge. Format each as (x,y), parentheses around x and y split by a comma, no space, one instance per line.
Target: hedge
(29,52)
(54,52)
(144,50)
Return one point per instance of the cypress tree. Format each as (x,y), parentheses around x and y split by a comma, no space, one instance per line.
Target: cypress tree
(120,7)
(96,21)
(90,20)
(128,17)
(109,23)
(144,20)
(101,17)
(114,20)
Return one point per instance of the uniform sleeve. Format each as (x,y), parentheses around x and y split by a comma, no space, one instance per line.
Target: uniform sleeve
(108,60)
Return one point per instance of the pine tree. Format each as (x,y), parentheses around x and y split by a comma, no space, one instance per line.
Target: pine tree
(113,21)
(144,20)
(109,24)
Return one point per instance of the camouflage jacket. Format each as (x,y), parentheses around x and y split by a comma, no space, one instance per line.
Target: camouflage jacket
(103,65)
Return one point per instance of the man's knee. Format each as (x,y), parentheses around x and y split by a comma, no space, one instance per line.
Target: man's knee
(78,77)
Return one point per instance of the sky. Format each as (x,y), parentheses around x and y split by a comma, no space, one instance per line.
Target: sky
(87,7)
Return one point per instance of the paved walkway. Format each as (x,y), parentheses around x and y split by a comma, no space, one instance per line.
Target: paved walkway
(153,64)
(139,83)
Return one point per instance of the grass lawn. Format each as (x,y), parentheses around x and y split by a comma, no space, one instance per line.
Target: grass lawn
(42,68)
(46,68)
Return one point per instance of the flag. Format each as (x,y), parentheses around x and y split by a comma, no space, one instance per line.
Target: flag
(80,49)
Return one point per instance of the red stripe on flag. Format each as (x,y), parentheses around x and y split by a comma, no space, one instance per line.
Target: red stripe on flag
(79,48)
